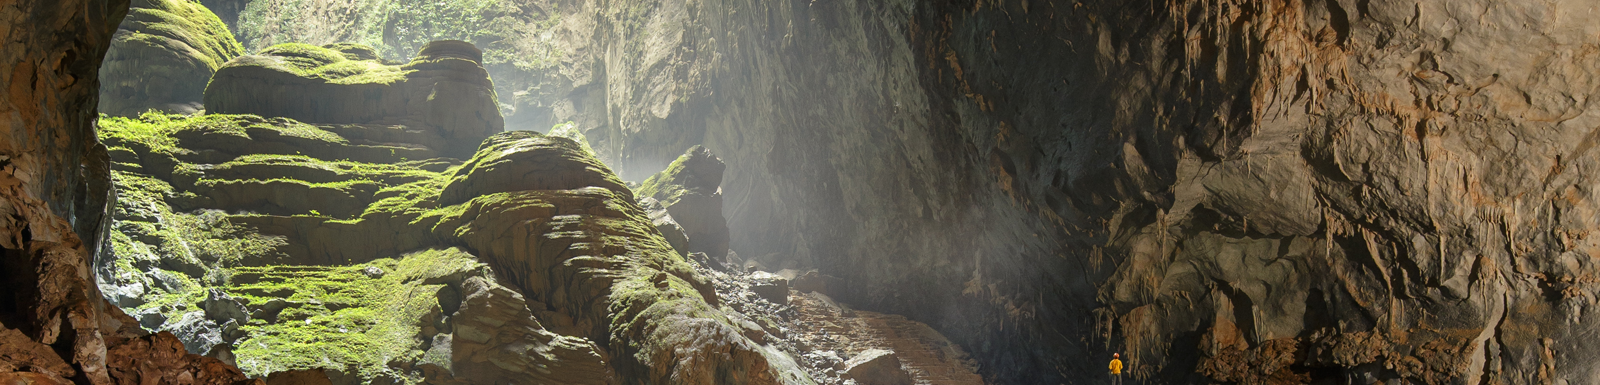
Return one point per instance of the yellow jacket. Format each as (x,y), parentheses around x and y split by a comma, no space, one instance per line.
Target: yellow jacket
(1116,366)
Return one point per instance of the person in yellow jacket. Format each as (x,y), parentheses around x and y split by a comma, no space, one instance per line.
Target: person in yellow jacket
(1116,369)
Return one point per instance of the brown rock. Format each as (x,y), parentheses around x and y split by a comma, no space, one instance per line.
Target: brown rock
(161,57)
(690,189)
(497,341)
(444,88)
(876,367)
(299,377)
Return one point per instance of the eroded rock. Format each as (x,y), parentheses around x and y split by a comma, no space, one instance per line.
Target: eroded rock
(497,340)
(162,56)
(876,367)
(444,88)
(690,189)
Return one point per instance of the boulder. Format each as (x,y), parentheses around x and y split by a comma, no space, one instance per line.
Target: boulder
(813,281)
(690,189)
(669,228)
(525,160)
(772,287)
(876,367)
(197,332)
(497,341)
(221,307)
(299,377)
(444,89)
(162,56)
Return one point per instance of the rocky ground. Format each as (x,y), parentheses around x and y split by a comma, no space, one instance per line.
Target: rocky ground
(834,343)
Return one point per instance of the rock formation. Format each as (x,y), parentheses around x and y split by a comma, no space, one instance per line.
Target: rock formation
(519,39)
(162,56)
(443,90)
(690,189)
(363,251)
(1202,186)
(1227,191)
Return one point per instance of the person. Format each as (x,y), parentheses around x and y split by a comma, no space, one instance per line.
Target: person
(1116,369)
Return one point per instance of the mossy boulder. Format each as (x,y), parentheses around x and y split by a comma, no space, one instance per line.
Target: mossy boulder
(444,89)
(162,56)
(593,252)
(690,189)
(525,160)
(265,210)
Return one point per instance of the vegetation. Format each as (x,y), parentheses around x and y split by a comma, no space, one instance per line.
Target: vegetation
(570,131)
(155,22)
(344,317)
(328,64)
(662,185)
(504,29)
(365,317)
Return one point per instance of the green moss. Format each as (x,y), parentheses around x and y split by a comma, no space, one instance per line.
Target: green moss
(333,66)
(207,38)
(153,130)
(662,186)
(158,131)
(507,32)
(570,131)
(336,170)
(340,318)
(150,233)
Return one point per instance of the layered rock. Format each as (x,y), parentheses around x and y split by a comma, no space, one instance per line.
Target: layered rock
(691,191)
(550,220)
(1204,187)
(443,89)
(527,44)
(162,56)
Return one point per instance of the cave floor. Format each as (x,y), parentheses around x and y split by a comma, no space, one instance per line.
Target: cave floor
(925,354)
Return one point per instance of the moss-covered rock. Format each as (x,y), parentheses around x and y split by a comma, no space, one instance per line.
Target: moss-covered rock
(525,160)
(263,211)
(162,56)
(690,189)
(444,89)
(526,44)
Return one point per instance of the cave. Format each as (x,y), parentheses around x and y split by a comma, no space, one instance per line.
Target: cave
(828,192)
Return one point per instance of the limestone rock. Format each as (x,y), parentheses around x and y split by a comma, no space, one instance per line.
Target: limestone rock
(669,228)
(498,341)
(444,88)
(690,189)
(772,287)
(876,367)
(299,377)
(222,308)
(522,160)
(197,332)
(162,56)
(581,247)
(160,358)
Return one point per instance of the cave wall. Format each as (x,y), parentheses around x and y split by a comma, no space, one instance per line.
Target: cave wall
(54,186)
(1246,191)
